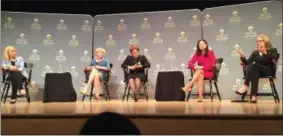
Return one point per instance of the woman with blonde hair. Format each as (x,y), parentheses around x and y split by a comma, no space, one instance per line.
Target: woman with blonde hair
(259,64)
(14,68)
(99,66)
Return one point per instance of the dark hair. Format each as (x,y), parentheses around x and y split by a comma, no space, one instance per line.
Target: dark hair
(134,47)
(198,52)
(108,123)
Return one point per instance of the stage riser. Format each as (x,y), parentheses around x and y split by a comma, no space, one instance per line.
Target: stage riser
(151,125)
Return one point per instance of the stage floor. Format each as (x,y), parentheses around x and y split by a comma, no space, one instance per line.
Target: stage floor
(142,108)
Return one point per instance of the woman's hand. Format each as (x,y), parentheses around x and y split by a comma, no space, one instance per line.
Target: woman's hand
(88,68)
(240,53)
(13,68)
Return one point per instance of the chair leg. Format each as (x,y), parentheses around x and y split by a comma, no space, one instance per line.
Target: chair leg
(83,98)
(27,94)
(210,90)
(3,91)
(145,91)
(275,90)
(6,94)
(125,91)
(107,91)
(128,93)
(272,90)
(91,92)
(217,91)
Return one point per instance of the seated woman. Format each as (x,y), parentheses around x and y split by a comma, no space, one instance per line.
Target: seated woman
(259,64)
(15,71)
(99,66)
(136,64)
(206,61)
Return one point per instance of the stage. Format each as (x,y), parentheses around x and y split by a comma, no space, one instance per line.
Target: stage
(151,117)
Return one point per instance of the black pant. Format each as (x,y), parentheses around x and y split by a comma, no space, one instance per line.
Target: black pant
(253,73)
(17,80)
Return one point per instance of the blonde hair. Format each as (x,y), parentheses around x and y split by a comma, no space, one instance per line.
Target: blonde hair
(266,40)
(6,52)
(100,50)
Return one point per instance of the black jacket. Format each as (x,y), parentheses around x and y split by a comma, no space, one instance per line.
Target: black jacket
(131,61)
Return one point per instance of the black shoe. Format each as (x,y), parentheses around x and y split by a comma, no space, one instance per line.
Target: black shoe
(241,93)
(135,97)
(13,101)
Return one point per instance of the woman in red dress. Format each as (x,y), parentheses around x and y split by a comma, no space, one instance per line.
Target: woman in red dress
(205,60)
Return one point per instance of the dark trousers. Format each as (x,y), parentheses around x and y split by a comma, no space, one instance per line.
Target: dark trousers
(17,80)
(253,73)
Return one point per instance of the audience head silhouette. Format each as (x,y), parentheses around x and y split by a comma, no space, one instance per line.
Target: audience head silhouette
(108,123)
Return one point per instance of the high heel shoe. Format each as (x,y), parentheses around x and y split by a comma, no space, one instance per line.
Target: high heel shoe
(253,101)
(242,91)
(200,99)
(183,89)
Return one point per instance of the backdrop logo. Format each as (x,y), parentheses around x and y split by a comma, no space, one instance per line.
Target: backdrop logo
(60,59)
(157,39)
(121,56)
(122,26)
(266,86)
(235,18)
(147,54)
(224,70)
(222,37)
(264,15)
(238,85)
(61,25)
(184,69)
(195,21)
(47,69)
(22,40)
(110,41)
(98,26)
(279,30)
(170,56)
(279,66)
(35,25)
(207,21)
(170,23)
(34,57)
(86,27)
(250,34)
(182,39)
(33,87)
(9,23)
(157,69)
(134,39)
(48,40)
(234,53)
(74,42)
(85,58)
(73,72)
(145,24)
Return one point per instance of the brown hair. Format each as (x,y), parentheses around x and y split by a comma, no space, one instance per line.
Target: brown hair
(266,40)
(134,47)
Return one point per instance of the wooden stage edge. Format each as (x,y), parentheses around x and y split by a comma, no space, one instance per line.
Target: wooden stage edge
(150,117)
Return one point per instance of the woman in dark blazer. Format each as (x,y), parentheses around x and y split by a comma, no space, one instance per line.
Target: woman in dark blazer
(136,64)
(259,64)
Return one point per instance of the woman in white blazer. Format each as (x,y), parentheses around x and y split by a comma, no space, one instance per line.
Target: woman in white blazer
(15,71)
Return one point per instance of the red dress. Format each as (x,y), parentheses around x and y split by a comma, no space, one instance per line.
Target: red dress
(207,63)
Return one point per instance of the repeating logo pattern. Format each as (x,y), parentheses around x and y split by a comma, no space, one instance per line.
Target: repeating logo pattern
(234,53)
(170,23)
(22,40)
(157,39)
(147,54)
(122,56)
(34,57)
(265,15)
(250,34)
(61,25)
(86,58)
(222,36)
(110,41)
(145,24)
(35,25)
(235,18)
(134,39)
(98,26)
(48,40)
(279,30)
(195,21)
(86,27)
(74,42)
(122,26)
(182,39)
(9,23)
(207,20)
(47,69)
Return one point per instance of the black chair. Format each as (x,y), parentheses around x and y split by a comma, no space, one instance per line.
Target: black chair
(127,88)
(271,82)
(105,85)
(213,80)
(7,84)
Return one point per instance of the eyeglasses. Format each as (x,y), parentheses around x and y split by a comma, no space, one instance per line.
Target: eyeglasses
(259,41)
